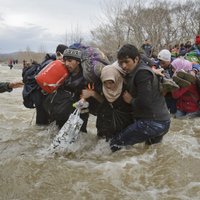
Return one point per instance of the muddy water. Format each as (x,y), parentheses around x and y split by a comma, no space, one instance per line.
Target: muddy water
(28,171)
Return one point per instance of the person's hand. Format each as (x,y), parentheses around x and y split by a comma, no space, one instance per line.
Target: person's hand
(158,71)
(127,97)
(81,104)
(15,84)
(87,93)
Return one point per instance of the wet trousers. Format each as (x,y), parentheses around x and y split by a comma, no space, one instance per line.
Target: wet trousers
(148,131)
(42,117)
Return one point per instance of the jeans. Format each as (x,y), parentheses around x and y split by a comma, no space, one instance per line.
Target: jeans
(148,131)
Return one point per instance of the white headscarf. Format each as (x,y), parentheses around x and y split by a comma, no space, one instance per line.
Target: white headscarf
(111,72)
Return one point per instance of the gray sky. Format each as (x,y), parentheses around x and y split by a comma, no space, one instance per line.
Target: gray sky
(44,23)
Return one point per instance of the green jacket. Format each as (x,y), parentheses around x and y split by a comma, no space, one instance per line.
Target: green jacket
(4,87)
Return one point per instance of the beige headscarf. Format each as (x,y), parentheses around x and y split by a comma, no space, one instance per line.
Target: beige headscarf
(111,72)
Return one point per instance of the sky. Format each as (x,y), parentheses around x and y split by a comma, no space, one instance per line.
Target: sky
(43,24)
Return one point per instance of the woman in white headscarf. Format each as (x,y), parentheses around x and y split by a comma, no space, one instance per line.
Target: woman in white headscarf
(113,114)
(112,82)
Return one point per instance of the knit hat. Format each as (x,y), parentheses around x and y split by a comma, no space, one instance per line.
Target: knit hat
(72,53)
(164,55)
(61,48)
(197,39)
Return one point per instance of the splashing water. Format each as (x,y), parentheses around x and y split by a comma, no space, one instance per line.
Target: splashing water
(88,169)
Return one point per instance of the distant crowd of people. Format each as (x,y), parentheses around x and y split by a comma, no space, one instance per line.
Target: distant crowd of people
(180,82)
(12,62)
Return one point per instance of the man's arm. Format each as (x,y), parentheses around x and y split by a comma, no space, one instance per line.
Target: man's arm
(8,87)
(143,83)
(4,87)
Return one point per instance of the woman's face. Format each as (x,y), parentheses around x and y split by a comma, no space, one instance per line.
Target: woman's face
(109,84)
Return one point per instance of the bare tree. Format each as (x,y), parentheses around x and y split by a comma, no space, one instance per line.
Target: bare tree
(110,33)
(163,22)
(74,35)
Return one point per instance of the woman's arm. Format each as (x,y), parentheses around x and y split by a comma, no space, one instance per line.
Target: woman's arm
(86,93)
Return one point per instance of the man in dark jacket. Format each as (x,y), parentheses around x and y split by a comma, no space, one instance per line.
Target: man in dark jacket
(70,91)
(33,95)
(8,87)
(151,116)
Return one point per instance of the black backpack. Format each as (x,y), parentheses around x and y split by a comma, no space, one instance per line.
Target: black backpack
(32,95)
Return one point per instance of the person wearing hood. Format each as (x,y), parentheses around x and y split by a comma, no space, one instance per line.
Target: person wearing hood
(187,97)
(113,113)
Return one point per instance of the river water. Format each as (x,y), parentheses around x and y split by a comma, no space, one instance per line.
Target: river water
(28,171)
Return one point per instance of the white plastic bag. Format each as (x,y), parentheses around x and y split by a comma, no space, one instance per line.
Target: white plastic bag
(69,132)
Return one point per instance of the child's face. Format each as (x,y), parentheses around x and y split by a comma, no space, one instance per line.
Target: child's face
(109,84)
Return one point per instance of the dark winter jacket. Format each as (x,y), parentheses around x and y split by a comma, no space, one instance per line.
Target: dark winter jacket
(113,117)
(32,94)
(59,105)
(147,102)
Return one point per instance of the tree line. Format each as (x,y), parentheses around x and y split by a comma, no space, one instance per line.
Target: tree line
(164,23)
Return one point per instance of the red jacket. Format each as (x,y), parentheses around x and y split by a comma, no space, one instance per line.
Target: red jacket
(187,98)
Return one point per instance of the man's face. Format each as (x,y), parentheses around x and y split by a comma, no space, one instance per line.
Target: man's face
(164,64)
(72,65)
(128,64)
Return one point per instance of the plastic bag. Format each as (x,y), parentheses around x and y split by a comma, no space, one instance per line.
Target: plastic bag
(69,132)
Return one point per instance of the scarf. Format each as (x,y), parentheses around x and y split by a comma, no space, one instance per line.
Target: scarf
(111,72)
(181,64)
